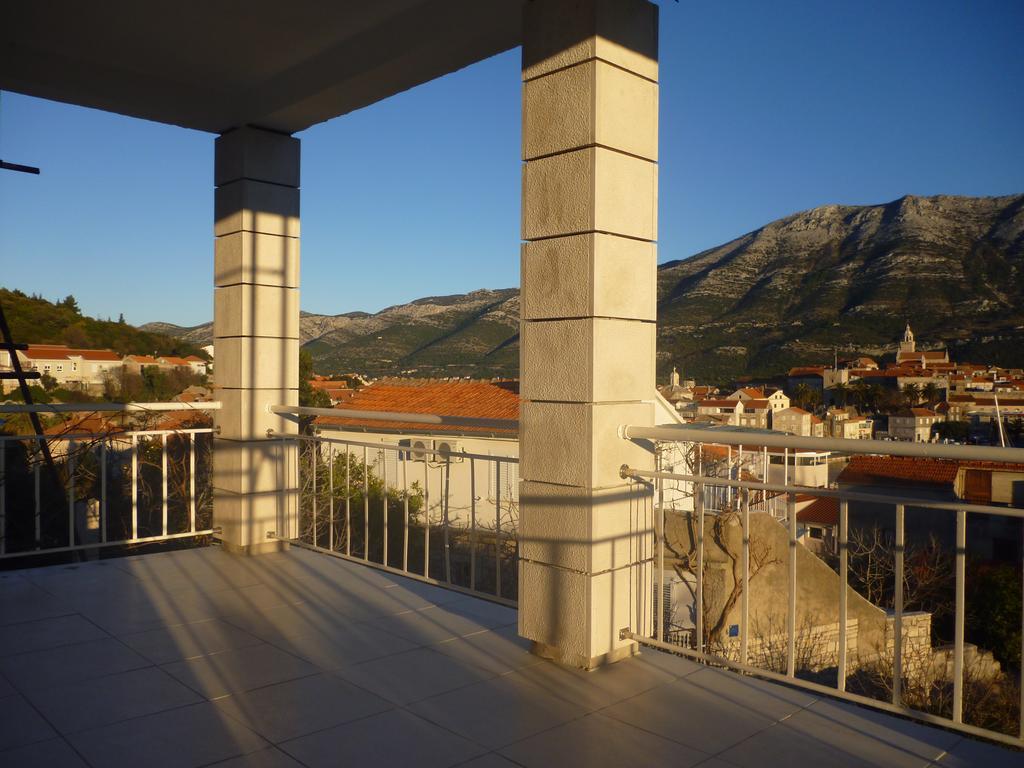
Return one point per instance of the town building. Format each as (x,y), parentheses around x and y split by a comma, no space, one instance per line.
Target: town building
(71,368)
(913,424)
(797,421)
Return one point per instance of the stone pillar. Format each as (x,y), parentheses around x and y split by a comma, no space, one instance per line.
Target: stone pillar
(589,220)
(256,335)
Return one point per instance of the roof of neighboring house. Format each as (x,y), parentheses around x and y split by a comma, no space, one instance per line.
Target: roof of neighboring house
(756,405)
(141,359)
(459,397)
(183,420)
(807,370)
(719,403)
(816,420)
(793,409)
(821,511)
(174,360)
(195,359)
(60,352)
(752,392)
(90,424)
(868,469)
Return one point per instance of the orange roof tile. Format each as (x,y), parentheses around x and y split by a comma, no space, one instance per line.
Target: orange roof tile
(821,511)
(900,468)
(461,398)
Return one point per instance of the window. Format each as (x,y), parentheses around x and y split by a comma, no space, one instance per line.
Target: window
(816,533)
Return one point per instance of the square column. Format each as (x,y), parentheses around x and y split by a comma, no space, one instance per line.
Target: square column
(256,336)
(589,225)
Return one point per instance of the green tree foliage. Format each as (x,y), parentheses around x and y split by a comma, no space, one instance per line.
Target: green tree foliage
(952,430)
(34,320)
(994,611)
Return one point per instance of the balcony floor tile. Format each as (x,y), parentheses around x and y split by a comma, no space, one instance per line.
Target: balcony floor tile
(327,658)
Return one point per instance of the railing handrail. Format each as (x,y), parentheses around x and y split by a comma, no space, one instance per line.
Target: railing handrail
(832,493)
(213,405)
(760,438)
(115,435)
(411,418)
(392,447)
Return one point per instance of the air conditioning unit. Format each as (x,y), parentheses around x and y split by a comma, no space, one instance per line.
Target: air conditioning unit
(420,449)
(447,450)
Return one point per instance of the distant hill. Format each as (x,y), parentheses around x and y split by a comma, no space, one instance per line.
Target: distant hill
(34,320)
(843,278)
(466,334)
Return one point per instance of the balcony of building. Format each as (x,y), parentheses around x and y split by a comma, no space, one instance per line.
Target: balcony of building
(321,600)
(196,657)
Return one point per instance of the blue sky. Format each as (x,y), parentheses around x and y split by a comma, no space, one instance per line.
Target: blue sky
(766,109)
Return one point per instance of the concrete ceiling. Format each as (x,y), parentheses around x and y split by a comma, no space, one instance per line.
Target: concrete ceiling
(217,64)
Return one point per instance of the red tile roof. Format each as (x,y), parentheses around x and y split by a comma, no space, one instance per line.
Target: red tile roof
(142,359)
(821,511)
(61,352)
(717,403)
(461,398)
(807,370)
(90,424)
(869,469)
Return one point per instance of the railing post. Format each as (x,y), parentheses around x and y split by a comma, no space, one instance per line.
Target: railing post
(589,221)
(897,627)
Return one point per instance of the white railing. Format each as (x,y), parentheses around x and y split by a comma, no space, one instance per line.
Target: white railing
(105,489)
(825,653)
(446,517)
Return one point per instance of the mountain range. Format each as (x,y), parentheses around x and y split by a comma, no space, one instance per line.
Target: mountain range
(835,279)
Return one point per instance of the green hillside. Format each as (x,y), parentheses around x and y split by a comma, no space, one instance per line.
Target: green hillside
(34,320)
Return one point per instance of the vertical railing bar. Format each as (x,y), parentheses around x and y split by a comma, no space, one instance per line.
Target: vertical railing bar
(497,527)
(1020,680)
(135,486)
(446,501)
(282,504)
(472,524)
(958,631)
(38,515)
(3,496)
(384,484)
(366,506)
(163,483)
(192,482)
(699,504)
(314,463)
(330,491)
(426,517)
(897,629)
(71,493)
(661,550)
(745,596)
(405,511)
(843,588)
(791,609)
(348,501)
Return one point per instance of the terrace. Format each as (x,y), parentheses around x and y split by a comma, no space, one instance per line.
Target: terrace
(196,657)
(344,614)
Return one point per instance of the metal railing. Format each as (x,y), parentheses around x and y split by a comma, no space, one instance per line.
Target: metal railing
(446,517)
(901,670)
(112,488)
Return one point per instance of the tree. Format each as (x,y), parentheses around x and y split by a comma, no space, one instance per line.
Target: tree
(71,303)
(911,394)
(120,319)
(840,394)
(807,397)
(49,383)
(930,392)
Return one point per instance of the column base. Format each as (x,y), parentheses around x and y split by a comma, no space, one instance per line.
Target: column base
(250,550)
(576,661)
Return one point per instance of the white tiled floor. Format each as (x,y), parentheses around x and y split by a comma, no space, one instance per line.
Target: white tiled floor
(196,658)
